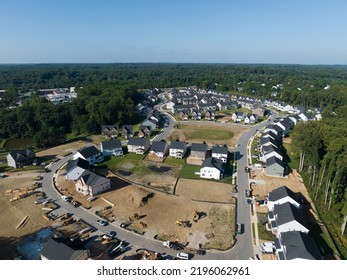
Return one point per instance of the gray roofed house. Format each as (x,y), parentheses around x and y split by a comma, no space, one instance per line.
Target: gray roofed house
(295,245)
(92,184)
(109,131)
(270,134)
(282,195)
(90,154)
(220,152)
(144,131)
(20,158)
(266,141)
(177,149)
(127,131)
(159,148)
(212,168)
(111,148)
(274,167)
(274,128)
(55,250)
(286,217)
(198,151)
(270,151)
(138,145)
(75,168)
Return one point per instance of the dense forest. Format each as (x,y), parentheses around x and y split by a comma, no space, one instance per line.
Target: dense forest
(110,93)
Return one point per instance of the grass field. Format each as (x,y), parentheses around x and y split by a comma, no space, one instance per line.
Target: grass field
(17,143)
(289,156)
(188,171)
(208,133)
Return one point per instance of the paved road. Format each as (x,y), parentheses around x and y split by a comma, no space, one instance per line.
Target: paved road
(241,251)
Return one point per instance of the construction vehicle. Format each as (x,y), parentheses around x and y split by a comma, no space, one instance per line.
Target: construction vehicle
(183,223)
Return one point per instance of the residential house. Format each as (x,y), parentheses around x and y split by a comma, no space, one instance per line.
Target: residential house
(127,131)
(183,115)
(268,141)
(282,195)
(286,217)
(75,168)
(144,131)
(238,116)
(159,148)
(212,168)
(296,245)
(274,167)
(92,184)
(306,117)
(198,151)
(274,129)
(20,158)
(138,145)
(196,115)
(151,123)
(177,149)
(55,250)
(220,152)
(210,115)
(259,110)
(286,125)
(90,153)
(111,148)
(250,119)
(109,131)
(270,151)
(271,135)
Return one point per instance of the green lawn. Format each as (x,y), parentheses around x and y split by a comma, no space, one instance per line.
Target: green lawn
(289,156)
(17,143)
(208,133)
(188,171)
(263,234)
(175,161)
(321,238)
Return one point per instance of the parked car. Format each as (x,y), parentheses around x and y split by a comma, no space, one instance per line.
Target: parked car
(65,198)
(102,223)
(40,200)
(182,256)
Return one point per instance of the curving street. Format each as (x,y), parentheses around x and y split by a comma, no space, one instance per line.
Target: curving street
(244,247)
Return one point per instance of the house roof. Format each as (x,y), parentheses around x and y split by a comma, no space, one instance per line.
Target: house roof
(274,127)
(199,147)
(92,179)
(213,162)
(282,192)
(178,145)
(158,146)
(271,148)
(220,150)
(274,160)
(265,140)
(109,127)
(88,152)
(299,245)
(54,250)
(79,162)
(22,155)
(128,128)
(138,142)
(271,134)
(110,145)
(287,212)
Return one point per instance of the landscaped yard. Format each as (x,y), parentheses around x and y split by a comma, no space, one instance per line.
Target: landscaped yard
(289,156)
(188,171)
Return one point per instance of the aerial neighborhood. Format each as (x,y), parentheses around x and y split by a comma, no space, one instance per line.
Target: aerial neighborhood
(206,162)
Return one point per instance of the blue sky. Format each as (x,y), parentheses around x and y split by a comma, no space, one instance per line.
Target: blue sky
(221,31)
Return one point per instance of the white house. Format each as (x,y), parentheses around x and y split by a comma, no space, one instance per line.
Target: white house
(238,116)
(138,145)
(159,148)
(286,217)
(75,168)
(90,154)
(177,149)
(282,195)
(92,184)
(220,152)
(111,148)
(212,168)
(295,245)
(20,158)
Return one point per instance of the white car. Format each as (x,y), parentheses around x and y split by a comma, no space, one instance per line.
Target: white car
(65,198)
(182,256)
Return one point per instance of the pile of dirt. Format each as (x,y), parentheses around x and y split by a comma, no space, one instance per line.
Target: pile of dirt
(139,197)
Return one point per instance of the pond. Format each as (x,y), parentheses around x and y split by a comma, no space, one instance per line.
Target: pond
(162,169)
(124,172)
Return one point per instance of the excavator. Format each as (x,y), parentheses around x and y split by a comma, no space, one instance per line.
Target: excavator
(198,215)
(183,223)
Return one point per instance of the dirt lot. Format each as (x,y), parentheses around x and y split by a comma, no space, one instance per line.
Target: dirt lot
(12,213)
(204,191)
(182,133)
(293,182)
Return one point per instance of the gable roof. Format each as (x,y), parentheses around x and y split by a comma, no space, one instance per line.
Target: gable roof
(128,128)
(138,142)
(265,140)
(112,144)
(109,127)
(79,162)
(54,250)
(274,160)
(270,148)
(91,179)
(22,155)
(299,245)
(282,192)
(287,212)
(199,147)
(88,152)
(220,150)
(158,146)
(212,162)
(178,145)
